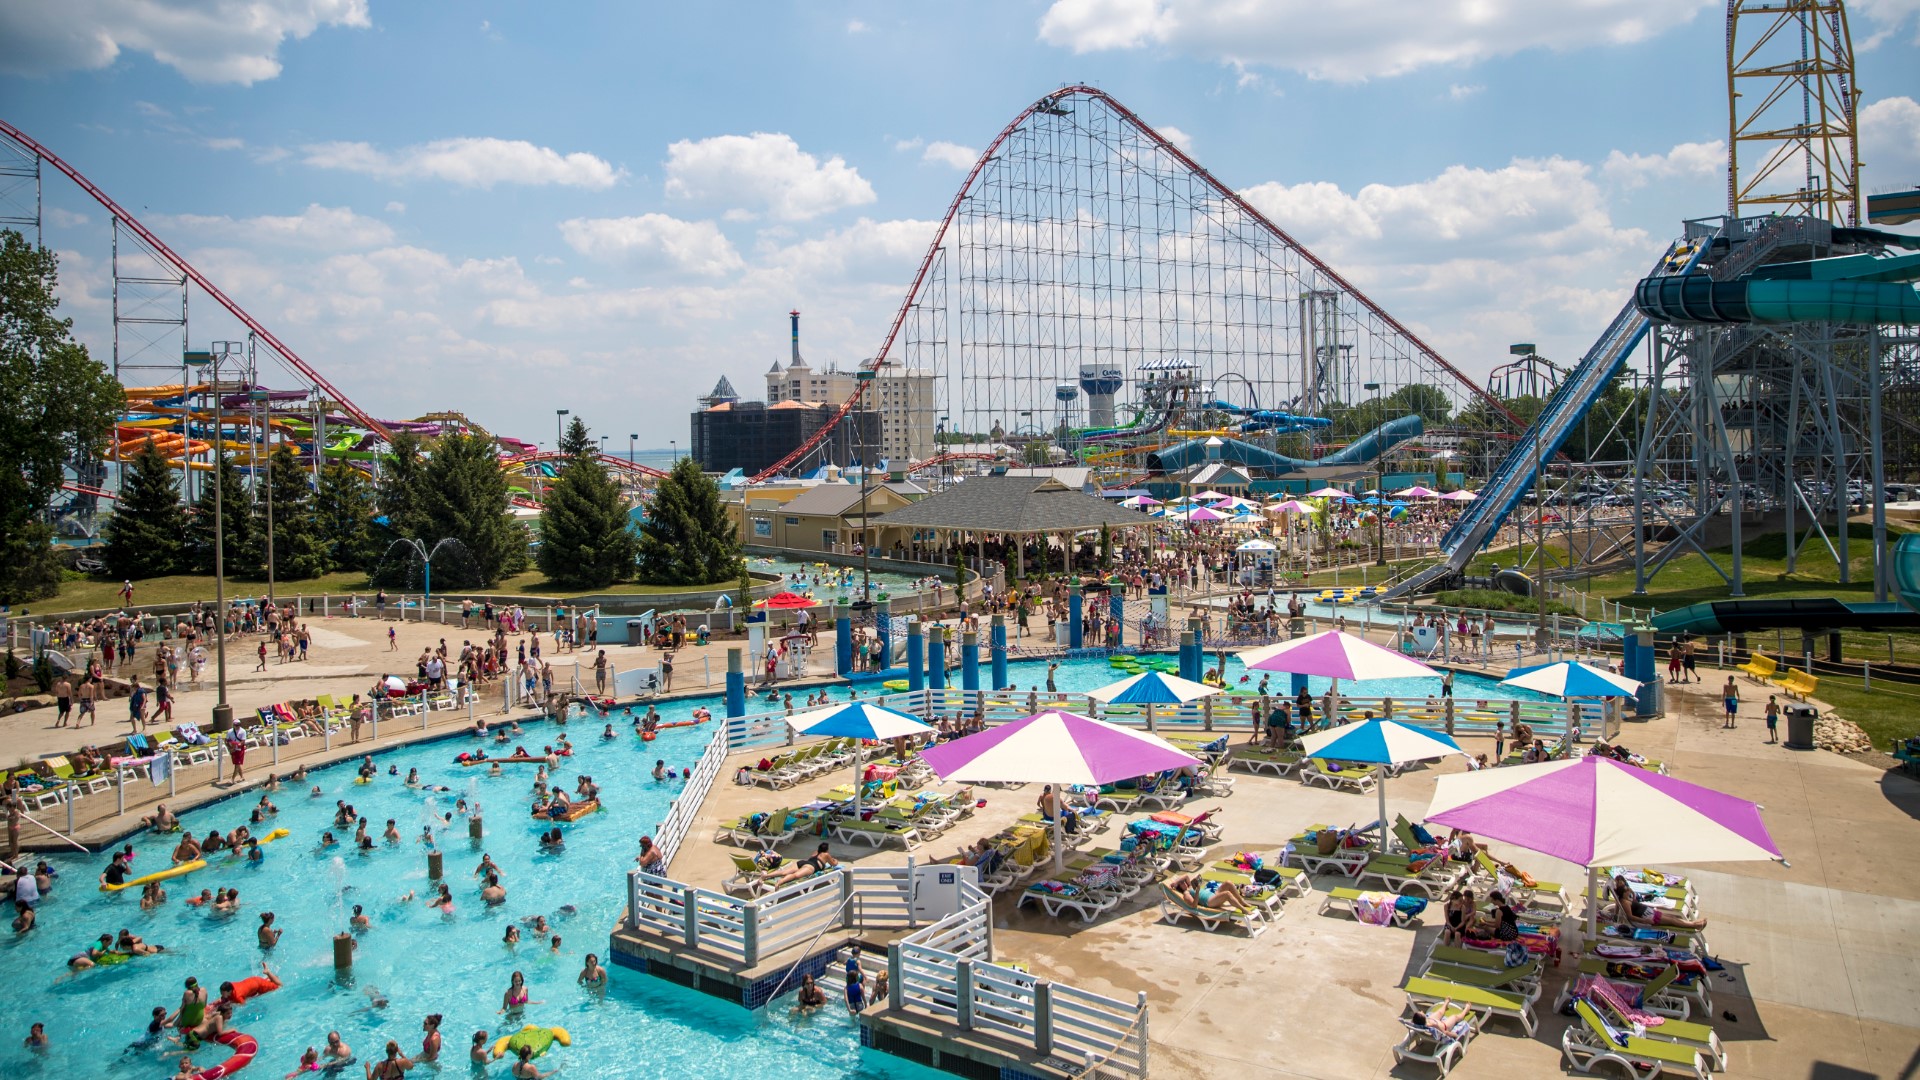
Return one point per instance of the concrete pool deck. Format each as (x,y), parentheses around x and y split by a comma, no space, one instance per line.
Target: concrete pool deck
(1822,964)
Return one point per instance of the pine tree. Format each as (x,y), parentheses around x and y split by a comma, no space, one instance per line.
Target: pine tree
(576,442)
(145,536)
(236,517)
(402,493)
(585,535)
(464,496)
(297,551)
(343,513)
(687,538)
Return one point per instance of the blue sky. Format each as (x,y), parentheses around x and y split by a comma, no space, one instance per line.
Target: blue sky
(511,208)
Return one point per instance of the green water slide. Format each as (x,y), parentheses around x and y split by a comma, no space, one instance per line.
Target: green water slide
(1862,290)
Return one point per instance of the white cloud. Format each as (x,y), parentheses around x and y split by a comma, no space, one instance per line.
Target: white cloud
(763,170)
(469,162)
(855,26)
(1176,136)
(396,207)
(1353,41)
(1890,143)
(207,41)
(867,250)
(914,143)
(1463,91)
(272,154)
(66,219)
(315,227)
(951,154)
(1685,161)
(695,247)
(223,142)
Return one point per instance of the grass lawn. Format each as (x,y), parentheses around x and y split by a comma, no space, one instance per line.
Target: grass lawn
(84,594)
(1885,713)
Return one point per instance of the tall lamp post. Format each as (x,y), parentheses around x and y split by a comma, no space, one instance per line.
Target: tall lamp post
(257,396)
(1539,510)
(1379,493)
(864,377)
(222,712)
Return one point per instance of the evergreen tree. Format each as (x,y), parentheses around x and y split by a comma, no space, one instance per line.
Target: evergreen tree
(59,407)
(297,551)
(464,496)
(236,517)
(145,535)
(585,538)
(343,513)
(576,442)
(687,538)
(402,494)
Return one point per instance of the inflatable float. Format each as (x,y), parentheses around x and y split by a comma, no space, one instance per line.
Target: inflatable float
(896,685)
(574,813)
(160,875)
(244,1047)
(253,987)
(541,1039)
(470,762)
(685,723)
(649,736)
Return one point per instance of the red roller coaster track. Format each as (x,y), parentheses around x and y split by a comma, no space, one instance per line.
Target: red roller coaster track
(165,252)
(618,464)
(1049,102)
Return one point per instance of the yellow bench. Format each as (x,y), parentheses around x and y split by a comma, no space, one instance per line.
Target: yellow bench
(1760,668)
(1800,684)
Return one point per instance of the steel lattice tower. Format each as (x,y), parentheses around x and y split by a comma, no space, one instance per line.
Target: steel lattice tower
(1790,110)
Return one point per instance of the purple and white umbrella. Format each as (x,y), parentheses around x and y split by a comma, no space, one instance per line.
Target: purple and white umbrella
(1055,747)
(1415,492)
(1335,655)
(1462,495)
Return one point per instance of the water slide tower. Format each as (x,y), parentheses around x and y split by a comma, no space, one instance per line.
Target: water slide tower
(1101,383)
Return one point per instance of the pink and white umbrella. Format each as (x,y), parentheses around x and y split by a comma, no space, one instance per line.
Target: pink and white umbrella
(1416,492)
(1334,655)
(1328,493)
(1290,506)
(1056,747)
(1201,513)
(1462,495)
(1210,495)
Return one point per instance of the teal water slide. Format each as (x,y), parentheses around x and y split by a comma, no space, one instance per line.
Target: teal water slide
(1811,613)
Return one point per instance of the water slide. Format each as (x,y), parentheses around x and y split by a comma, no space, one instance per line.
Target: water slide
(1358,452)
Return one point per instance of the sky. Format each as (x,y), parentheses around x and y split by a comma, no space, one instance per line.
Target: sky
(505,209)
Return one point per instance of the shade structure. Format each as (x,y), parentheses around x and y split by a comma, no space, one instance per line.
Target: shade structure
(1234,503)
(857,720)
(1153,688)
(1201,513)
(1209,496)
(787,601)
(1054,747)
(1139,501)
(1594,811)
(1570,679)
(1328,493)
(1415,492)
(1380,742)
(1335,655)
(1290,506)
(1462,495)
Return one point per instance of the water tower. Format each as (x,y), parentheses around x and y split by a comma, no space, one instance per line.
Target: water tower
(1101,383)
(1064,395)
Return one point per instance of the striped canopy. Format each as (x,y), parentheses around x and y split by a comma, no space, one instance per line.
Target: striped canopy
(857,720)
(1379,742)
(1057,747)
(1153,688)
(1569,679)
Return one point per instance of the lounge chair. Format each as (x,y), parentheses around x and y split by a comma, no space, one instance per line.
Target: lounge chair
(1592,1040)
(1422,991)
(1349,777)
(1523,980)
(749,879)
(1341,860)
(1521,893)
(1443,1052)
(1695,1036)
(1272,762)
(1395,875)
(875,832)
(1175,907)
(1082,895)
(1347,900)
(769,831)
(1291,883)
(1664,993)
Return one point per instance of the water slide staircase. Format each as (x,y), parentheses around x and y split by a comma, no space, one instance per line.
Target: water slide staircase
(1575,397)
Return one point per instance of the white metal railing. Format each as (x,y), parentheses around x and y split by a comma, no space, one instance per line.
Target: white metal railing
(673,829)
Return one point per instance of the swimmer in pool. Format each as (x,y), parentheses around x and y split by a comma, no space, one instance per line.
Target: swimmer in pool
(593,976)
(515,1000)
(659,770)
(608,734)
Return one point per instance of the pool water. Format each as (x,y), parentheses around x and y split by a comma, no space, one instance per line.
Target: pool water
(828,582)
(1088,673)
(420,960)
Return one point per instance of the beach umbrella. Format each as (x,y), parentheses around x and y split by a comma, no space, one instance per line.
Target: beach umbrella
(1335,655)
(396,683)
(1209,495)
(1415,492)
(1201,513)
(1291,506)
(787,601)
(1328,493)
(1054,747)
(1153,688)
(1379,742)
(1371,500)
(1570,679)
(1462,495)
(1139,501)
(1595,812)
(857,720)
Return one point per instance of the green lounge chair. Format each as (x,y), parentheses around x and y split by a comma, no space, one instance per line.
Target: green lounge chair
(1175,907)
(876,832)
(1345,899)
(1589,1042)
(1422,991)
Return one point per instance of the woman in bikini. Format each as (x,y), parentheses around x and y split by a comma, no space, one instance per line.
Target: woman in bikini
(817,863)
(393,1067)
(515,1001)
(1636,910)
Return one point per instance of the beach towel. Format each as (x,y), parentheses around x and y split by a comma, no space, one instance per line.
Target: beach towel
(161,768)
(1375,908)
(1624,999)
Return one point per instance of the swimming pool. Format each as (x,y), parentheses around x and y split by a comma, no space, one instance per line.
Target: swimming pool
(420,960)
(824,583)
(1089,673)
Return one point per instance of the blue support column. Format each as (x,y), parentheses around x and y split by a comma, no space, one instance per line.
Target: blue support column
(970,661)
(1076,630)
(1117,604)
(998,647)
(937,659)
(1189,657)
(736,685)
(842,641)
(1296,683)
(916,656)
(883,625)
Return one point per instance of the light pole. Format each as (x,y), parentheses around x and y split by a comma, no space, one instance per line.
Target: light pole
(258,397)
(222,712)
(633,448)
(1379,493)
(1539,509)
(559,417)
(673,450)
(864,377)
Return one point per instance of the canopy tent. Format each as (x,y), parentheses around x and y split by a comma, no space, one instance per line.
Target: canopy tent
(1290,506)
(857,720)
(1055,747)
(1380,742)
(1139,501)
(1154,688)
(1256,544)
(1596,812)
(787,601)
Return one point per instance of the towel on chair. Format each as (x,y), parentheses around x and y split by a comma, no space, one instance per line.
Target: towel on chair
(1375,908)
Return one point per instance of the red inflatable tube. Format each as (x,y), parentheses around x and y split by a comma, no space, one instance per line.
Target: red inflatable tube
(244,1046)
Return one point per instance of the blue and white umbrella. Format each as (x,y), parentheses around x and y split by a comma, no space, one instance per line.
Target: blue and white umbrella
(1570,679)
(1153,688)
(858,720)
(1380,742)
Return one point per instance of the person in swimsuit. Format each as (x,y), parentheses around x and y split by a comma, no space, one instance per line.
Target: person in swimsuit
(1458,910)
(193,1007)
(856,986)
(593,976)
(515,1000)
(1636,910)
(817,863)
(811,997)
(237,993)
(392,1067)
(525,1069)
(430,1044)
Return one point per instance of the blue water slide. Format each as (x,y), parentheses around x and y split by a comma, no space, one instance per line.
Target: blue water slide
(1359,452)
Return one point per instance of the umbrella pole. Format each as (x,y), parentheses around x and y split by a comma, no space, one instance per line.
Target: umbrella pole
(1059,811)
(1380,788)
(857,762)
(1593,906)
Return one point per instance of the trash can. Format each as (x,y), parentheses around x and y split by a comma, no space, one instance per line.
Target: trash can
(1800,720)
(636,631)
